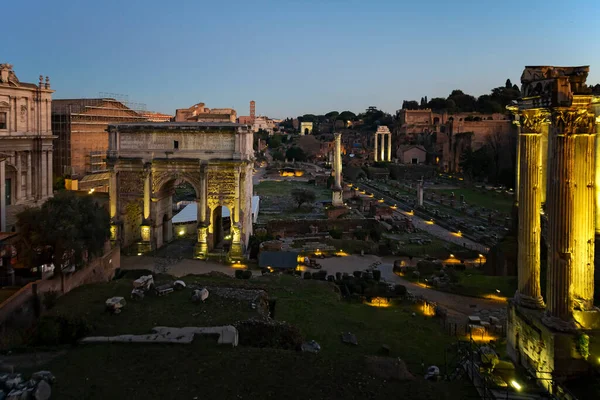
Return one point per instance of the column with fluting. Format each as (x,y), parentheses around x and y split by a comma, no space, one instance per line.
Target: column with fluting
(51,174)
(584,214)
(375,155)
(382,149)
(389,149)
(560,206)
(529,234)
(113,205)
(337,195)
(201,248)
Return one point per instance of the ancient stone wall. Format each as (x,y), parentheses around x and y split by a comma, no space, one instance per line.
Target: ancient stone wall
(287,228)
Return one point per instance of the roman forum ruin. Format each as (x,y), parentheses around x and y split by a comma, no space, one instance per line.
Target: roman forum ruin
(384,154)
(558,157)
(147,160)
(338,194)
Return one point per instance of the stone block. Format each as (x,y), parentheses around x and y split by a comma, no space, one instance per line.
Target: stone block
(474,320)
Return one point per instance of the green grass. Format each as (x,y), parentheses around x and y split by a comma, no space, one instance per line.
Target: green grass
(438,248)
(205,370)
(283,188)
(490,199)
(474,282)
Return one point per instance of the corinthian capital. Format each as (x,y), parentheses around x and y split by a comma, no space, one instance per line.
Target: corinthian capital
(533,121)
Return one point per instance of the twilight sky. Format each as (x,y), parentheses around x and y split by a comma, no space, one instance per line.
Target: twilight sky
(292,57)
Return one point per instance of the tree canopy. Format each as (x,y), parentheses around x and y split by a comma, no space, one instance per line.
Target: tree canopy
(458,101)
(295,153)
(69,228)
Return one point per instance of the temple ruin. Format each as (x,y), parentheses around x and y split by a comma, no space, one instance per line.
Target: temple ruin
(557,195)
(147,160)
(383,144)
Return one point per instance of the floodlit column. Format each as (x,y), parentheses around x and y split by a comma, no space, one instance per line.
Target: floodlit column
(584,202)
(19,180)
(389,149)
(571,218)
(201,201)
(238,201)
(375,155)
(596,108)
(382,150)
(544,143)
(113,194)
(338,161)
(29,170)
(50,175)
(147,194)
(529,293)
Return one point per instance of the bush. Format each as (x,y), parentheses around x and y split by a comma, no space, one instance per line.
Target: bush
(246,274)
(58,329)
(375,235)
(427,267)
(400,290)
(377,275)
(321,275)
(360,234)
(50,298)
(459,267)
(338,276)
(280,335)
(239,274)
(357,274)
(307,275)
(336,233)
(330,278)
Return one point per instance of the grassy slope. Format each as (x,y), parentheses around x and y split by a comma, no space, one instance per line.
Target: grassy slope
(207,371)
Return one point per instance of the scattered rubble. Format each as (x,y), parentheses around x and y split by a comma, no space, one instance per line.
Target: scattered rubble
(388,368)
(115,304)
(349,338)
(14,387)
(310,347)
(199,295)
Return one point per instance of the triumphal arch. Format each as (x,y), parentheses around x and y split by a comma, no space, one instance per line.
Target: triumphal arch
(147,161)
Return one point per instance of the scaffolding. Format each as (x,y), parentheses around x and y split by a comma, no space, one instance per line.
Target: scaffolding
(80,125)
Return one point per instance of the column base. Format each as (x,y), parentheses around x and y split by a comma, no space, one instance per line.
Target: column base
(236,253)
(534,303)
(337,198)
(558,324)
(201,251)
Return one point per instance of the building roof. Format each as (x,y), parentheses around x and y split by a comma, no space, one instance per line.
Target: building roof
(78,106)
(173,125)
(278,259)
(408,147)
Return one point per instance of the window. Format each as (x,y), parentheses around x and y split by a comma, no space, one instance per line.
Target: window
(176,144)
(2,120)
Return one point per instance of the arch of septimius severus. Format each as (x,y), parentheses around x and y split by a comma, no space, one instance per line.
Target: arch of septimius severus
(147,160)
(558,194)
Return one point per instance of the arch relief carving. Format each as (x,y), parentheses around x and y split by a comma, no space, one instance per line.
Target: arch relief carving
(159,179)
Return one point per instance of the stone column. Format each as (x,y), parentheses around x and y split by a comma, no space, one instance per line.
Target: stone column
(338,161)
(29,173)
(19,178)
(113,205)
(382,150)
(584,215)
(596,109)
(389,149)
(147,194)
(236,250)
(571,217)
(50,175)
(530,202)
(44,175)
(375,155)
(201,248)
(2,196)
(337,195)
(235,215)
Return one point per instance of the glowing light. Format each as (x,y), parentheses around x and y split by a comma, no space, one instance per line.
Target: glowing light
(515,384)
(428,310)
(381,200)
(139,254)
(381,302)
(371,195)
(430,222)
(394,207)
(451,255)
(459,234)
(91,191)
(496,297)
(181,232)
(411,212)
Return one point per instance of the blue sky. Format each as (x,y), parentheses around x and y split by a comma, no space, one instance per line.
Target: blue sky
(292,57)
